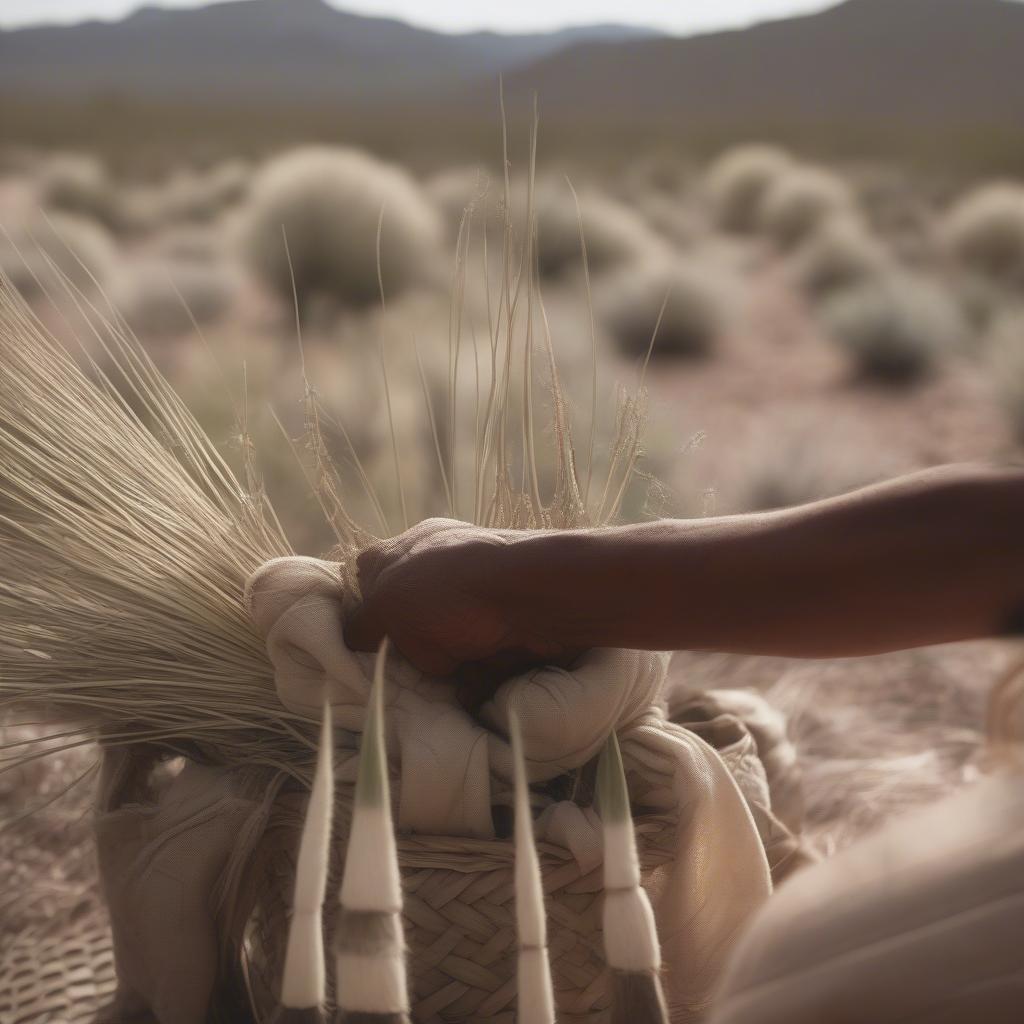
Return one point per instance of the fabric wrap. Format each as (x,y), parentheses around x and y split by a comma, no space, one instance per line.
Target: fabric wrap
(450,766)
(921,922)
(164,853)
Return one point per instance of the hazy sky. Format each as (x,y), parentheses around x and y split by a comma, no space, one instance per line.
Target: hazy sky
(511,15)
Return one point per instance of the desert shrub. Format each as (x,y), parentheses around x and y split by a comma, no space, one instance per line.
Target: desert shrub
(614,234)
(842,253)
(196,243)
(680,220)
(982,299)
(327,202)
(695,316)
(738,181)
(36,252)
(985,232)
(457,189)
(201,196)
(898,207)
(894,329)
(799,201)
(79,184)
(1006,344)
(666,173)
(160,299)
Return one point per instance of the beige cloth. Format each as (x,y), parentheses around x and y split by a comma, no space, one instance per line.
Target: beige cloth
(163,855)
(450,766)
(750,737)
(923,922)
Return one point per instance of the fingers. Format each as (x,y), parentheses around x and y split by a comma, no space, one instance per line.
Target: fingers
(371,562)
(367,626)
(364,629)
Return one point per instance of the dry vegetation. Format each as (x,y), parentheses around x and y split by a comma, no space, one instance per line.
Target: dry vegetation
(799,294)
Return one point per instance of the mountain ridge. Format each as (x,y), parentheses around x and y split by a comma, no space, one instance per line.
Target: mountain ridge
(299,51)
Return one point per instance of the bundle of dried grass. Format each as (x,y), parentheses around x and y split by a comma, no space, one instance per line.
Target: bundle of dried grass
(127,545)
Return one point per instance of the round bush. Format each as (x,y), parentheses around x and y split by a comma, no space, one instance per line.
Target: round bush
(160,299)
(985,232)
(894,329)
(738,181)
(327,203)
(695,316)
(38,251)
(79,184)
(842,253)
(799,201)
(614,234)
(200,197)
(457,189)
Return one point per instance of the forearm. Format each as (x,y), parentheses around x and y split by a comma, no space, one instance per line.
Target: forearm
(931,558)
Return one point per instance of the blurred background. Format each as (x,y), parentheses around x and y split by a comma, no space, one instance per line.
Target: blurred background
(829,195)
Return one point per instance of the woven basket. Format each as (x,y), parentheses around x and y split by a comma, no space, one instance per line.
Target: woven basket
(61,973)
(459,918)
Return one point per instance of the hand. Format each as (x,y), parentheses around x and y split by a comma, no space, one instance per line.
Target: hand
(451,600)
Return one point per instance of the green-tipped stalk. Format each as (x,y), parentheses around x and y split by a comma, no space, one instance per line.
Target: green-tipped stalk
(369,941)
(302,986)
(536,996)
(630,934)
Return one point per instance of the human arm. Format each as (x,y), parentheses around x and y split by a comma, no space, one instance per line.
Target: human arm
(930,558)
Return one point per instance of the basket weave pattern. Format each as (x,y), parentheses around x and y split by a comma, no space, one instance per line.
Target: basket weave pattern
(59,975)
(459,919)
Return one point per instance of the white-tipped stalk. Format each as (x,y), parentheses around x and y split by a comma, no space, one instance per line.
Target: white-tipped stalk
(303,986)
(536,995)
(369,941)
(630,933)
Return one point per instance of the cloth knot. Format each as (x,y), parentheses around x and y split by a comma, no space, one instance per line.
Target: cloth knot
(447,759)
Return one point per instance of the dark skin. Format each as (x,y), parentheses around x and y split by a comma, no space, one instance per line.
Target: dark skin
(930,558)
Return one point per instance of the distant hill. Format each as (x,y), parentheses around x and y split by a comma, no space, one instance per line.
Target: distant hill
(863,63)
(288,51)
(938,80)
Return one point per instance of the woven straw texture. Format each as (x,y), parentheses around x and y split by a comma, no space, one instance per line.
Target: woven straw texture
(61,973)
(459,919)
